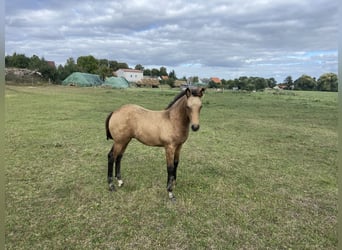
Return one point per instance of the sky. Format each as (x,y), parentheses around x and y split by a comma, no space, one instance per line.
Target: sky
(217,38)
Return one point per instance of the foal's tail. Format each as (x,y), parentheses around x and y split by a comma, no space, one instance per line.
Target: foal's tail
(109,136)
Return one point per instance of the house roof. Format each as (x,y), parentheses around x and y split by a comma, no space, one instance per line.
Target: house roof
(130,70)
(51,64)
(215,79)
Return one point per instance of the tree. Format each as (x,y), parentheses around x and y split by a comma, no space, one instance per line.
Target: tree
(327,82)
(172,75)
(103,71)
(17,61)
(230,84)
(193,79)
(242,82)
(103,62)
(147,72)
(35,63)
(48,72)
(69,68)
(162,71)
(259,83)
(87,64)
(250,87)
(61,74)
(71,65)
(113,65)
(212,84)
(288,81)
(154,72)
(139,67)
(8,61)
(305,82)
(271,82)
(122,65)
(171,82)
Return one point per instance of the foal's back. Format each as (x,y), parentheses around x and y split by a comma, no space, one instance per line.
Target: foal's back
(133,121)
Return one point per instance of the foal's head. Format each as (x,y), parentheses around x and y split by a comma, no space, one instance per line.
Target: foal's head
(193,106)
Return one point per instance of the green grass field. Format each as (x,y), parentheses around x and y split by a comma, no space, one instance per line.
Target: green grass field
(261,173)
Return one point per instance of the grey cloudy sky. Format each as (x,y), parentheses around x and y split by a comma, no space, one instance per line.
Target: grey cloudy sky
(223,38)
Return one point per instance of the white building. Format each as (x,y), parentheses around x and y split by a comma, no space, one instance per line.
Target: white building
(131,75)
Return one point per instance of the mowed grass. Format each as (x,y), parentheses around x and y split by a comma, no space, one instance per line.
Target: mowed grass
(261,173)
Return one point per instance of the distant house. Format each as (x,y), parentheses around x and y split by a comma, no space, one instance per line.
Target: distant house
(215,80)
(131,75)
(51,64)
(284,86)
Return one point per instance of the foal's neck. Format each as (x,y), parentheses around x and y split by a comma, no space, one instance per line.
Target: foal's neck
(178,112)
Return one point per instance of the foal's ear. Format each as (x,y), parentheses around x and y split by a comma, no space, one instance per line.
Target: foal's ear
(188,92)
(201,92)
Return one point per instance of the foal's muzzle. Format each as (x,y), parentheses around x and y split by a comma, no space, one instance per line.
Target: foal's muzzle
(195,127)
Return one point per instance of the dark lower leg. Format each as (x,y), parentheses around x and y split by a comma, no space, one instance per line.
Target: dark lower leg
(170,154)
(176,161)
(170,179)
(175,170)
(118,169)
(110,169)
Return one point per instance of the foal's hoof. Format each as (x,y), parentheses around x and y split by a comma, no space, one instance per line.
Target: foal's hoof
(120,183)
(111,187)
(172,197)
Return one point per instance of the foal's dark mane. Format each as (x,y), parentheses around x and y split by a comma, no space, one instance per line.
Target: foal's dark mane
(194,92)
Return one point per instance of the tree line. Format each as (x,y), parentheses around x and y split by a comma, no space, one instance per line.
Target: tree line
(326,82)
(86,64)
(105,68)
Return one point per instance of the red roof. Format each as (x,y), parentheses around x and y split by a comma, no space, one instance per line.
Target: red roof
(215,79)
(51,64)
(131,70)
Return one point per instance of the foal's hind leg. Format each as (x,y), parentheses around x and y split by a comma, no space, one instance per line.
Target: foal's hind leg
(117,170)
(110,169)
(119,150)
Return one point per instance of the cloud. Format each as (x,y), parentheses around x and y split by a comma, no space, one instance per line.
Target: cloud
(223,38)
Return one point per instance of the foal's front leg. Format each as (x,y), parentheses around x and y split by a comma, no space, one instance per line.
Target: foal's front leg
(170,150)
(176,161)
